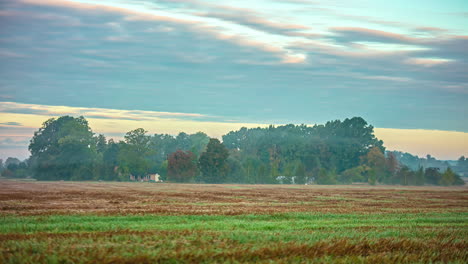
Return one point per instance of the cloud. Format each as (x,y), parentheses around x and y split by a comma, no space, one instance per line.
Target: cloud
(251,18)
(100,113)
(247,29)
(173,60)
(386,78)
(13,143)
(427,62)
(11,124)
(353,34)
(118,122)
(11,54)
(433,30)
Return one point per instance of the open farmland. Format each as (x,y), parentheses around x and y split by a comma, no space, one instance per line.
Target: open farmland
(46,222)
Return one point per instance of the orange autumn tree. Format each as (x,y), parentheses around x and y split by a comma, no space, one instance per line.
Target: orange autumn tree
(182,166)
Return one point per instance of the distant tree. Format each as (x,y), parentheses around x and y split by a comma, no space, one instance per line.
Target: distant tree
(458,180)
(182,166)
(198,142)
(372,176)
(213,162)
(110,160)
(462,166)
(134,154)
(375,160)
(300,173)
(263,176)
(405,176)
(448,178)
(432,176)
(183,141)
(237,173)
(163,170)
(275,160)
(462,161)
(356,174)
(101,143)
(289,172)
(14,168)
(392,164)
(325,177)
(12,161)
(63,149)
(419,177)
(251,168)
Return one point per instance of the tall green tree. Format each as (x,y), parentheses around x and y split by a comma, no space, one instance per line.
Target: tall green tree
(63,149)
(213,162)
(134,155)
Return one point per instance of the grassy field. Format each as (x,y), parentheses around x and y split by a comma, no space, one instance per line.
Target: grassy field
(71,222)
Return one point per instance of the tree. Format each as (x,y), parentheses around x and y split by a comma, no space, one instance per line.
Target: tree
(419,177)
(198,142)
(301,174)
(14,168)
(182,166)
(325,177)
(289,173)
(135,152)
(375,159)
(356,174)
(110,160)
(432,176)
(237,172)
(63,149)
(183,141)
(392,164)
(12,161)
(405,176)
(101,143)
(371,177)
(213,162)
(448,178)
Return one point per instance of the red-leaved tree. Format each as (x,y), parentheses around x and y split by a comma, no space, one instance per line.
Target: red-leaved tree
(182,166)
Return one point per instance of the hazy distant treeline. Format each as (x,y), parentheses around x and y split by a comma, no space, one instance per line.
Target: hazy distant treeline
(338,152)
(414,163)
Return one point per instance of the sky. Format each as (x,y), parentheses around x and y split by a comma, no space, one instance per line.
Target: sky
(215,66)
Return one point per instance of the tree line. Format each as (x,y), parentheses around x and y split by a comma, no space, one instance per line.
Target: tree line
(338,152)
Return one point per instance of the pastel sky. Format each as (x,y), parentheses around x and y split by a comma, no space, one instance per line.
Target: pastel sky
(214,66)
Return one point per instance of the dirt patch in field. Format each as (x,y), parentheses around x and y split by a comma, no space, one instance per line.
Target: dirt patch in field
(45,198)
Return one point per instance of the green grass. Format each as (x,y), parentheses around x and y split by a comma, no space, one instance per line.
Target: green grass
(289,237)
(276,222)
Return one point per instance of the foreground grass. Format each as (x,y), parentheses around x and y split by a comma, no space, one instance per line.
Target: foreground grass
(78,222)
(287,237)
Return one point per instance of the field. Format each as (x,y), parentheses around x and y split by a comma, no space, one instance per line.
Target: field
(72,222)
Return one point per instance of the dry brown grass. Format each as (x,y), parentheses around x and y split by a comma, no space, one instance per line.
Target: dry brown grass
(202,247)
(45,198)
